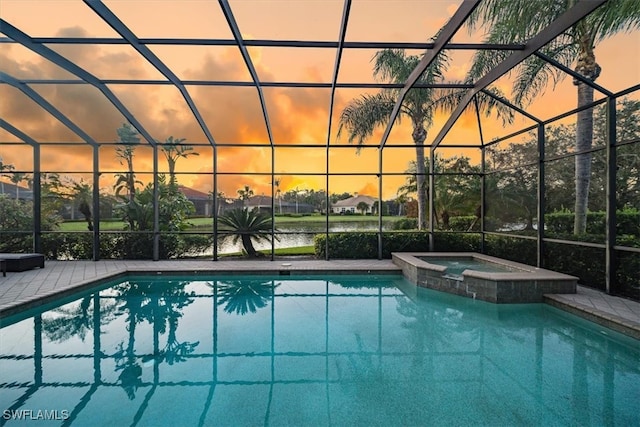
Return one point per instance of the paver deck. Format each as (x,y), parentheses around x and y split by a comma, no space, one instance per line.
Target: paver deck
(34,287)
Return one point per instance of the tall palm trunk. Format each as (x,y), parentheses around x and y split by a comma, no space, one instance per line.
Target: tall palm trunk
(131,185)
(419,135)
(588,67)
(172,172)
(584,138)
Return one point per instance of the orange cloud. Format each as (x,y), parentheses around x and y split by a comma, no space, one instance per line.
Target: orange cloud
(234,114)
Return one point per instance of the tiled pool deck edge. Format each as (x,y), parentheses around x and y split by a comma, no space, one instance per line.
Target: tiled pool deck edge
(59,279)
(609,320)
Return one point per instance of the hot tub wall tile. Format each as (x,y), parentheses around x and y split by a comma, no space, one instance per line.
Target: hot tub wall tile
(526,285)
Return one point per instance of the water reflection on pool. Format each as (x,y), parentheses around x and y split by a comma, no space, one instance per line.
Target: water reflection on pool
(332,350)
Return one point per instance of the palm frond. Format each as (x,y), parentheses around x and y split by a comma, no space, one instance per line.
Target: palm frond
(363,115)
(490,105)
(613,17)
(393,65)
(515,21)
(248,222)
(534,75)
(484,61)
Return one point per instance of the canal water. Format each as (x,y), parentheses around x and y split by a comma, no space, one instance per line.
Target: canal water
(301,235)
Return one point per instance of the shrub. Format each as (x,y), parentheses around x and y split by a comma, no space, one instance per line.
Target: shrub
(512,248)
(122,245)
(628,222)
(463,223)
(406,224)
(627,275)
(342,245)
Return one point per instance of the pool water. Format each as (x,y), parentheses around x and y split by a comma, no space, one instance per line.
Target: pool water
(288,350)
(458,265)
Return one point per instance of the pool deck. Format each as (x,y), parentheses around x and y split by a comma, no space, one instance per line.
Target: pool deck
(60,278)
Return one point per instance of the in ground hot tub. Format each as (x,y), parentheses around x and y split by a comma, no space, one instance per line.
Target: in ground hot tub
(483,277)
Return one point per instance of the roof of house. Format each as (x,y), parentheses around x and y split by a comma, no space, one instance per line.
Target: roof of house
(10,190)
(192,194)
(354,201)
(258,201)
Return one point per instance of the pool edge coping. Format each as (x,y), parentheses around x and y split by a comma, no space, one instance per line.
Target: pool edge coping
(599,317)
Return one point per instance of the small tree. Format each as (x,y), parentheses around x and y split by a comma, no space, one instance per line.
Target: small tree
(246,226)
(363,207)
(82,201)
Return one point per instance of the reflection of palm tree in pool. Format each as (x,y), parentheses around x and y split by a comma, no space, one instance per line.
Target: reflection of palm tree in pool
(175,351)
(244,296)
(158,305)
(76,320)
(433,328)
(370,381)
(130,377)
(136,306)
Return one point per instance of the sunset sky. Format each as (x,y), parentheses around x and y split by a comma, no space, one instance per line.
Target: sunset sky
(233,114)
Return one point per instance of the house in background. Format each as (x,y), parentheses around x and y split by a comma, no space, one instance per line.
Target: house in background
(263,204)
(13,191)
(202,201)
(350,205)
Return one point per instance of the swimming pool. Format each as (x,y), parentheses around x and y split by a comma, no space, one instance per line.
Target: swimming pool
(309,350)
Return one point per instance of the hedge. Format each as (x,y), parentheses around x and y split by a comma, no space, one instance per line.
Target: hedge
(627,222)
(364,245)
(122,245)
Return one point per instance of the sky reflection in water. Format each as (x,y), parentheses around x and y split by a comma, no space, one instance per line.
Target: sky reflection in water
(247,350)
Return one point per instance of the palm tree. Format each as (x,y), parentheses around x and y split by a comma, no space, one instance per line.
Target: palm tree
(363,115)
(247,225)
(82,200)
(245,193)
(453,194)
(4,167)
(17,178)
(173,149)
(401,199)
(128,140)
(363,207)
(276,182)
(516,21)
(220,199)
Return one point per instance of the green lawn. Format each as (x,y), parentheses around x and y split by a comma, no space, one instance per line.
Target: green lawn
(82,226)
(302,250)
(207,222)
